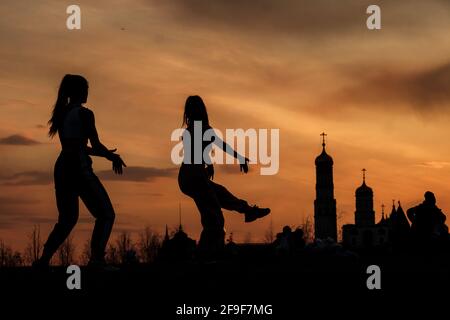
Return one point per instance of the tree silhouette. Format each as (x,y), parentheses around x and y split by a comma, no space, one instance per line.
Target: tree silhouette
(4,253)
(86,253)
(269,236)
(308,229)
(123,244)
(34,247)
(8,257)
(122,250)
(112,255)
(148,245)
(66,252)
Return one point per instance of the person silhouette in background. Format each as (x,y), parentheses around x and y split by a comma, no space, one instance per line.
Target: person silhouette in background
(195,180)
(427,222)
(73,174)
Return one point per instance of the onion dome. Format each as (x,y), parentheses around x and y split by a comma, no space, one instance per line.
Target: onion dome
(364,189)
(324,157)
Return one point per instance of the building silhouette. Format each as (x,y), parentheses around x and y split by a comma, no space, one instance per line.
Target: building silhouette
(399,229)
(325,205)
(179,247)
(365,233)
(364,214)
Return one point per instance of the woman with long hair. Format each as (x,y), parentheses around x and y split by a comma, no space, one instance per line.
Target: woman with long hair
(195,179)
(73,174)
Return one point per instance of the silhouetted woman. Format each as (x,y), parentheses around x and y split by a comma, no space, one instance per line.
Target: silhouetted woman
(195,180)
(73,174)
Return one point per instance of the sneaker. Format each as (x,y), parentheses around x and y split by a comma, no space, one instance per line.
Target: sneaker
(256,212)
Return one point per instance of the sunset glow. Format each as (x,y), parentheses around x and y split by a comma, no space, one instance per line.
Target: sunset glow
(382,97)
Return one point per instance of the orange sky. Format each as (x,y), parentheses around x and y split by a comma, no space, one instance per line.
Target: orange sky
(301,66)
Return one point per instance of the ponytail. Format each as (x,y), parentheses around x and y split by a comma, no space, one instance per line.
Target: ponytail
(70,86)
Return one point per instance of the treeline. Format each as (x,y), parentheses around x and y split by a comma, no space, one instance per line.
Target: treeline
(122,249)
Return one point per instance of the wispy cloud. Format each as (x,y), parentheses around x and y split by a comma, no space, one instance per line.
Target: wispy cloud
(266,16)
(139,174)
(426,90)
(435,164)
(20,211)
(24,219)
(135,174)
(27,178)
(18,140)
(17,201)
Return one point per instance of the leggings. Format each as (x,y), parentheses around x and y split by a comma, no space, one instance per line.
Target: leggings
(73,181)
(210,198)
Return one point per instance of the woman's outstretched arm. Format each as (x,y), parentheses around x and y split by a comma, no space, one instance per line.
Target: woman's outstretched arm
(243,161)
(97,148)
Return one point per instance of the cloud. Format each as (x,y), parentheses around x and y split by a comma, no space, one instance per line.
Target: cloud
(18,218)
(435,164)
(18,140)
(426,91)
(228,169)
(267,16)
(305,18)
(430,88)
(16,201)
(20,210)
(135,174)
(18,103)
(27,178)
(138,174)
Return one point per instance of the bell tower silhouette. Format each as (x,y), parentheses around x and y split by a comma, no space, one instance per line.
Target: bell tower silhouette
(325,224)
(364,214)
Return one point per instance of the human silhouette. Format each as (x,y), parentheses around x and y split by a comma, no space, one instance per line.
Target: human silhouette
(195,180)
(73,174)
(427,221)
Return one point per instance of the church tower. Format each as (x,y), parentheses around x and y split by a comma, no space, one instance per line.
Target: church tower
(325,205)
(364,214)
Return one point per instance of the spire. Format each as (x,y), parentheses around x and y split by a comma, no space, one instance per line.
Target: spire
(402,221)
(394,211)
(323,134)
(364,189)
(166,237)
(384,219)
(180,227)
(324,158)
(325,225)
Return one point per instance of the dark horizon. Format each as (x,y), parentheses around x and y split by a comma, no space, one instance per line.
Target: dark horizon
(383,107)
